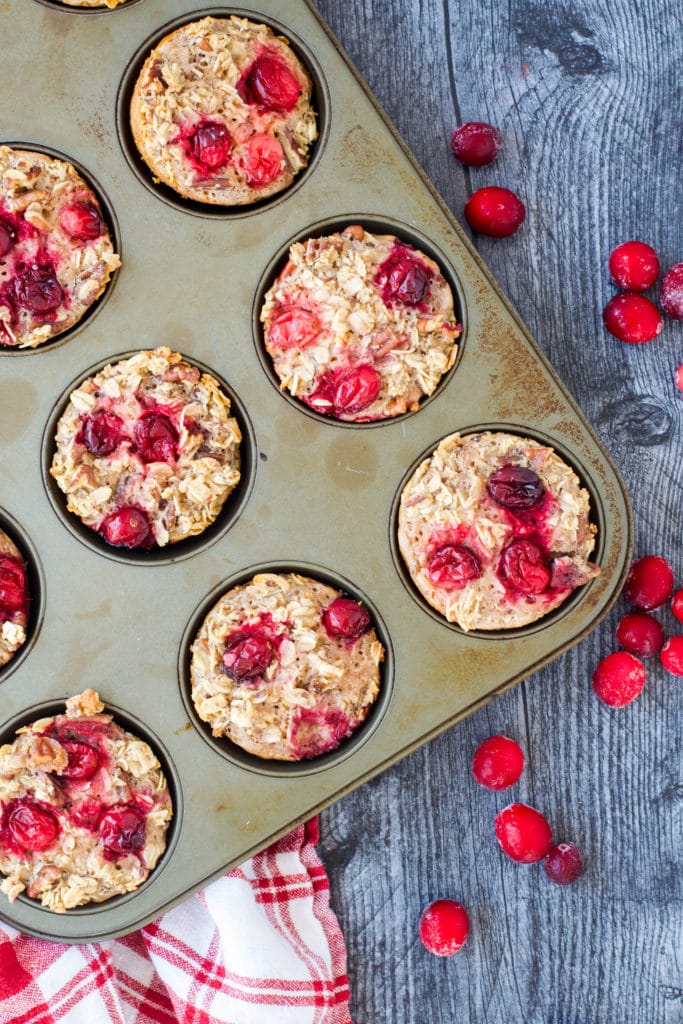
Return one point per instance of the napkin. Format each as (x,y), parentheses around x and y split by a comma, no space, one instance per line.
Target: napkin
(259,946)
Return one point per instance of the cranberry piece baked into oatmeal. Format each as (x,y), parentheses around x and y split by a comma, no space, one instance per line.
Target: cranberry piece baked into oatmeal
(360,327)
(56,255)
(495,531)
(285,667)
(221,112)
(146,451)
(84,808)
(14,599)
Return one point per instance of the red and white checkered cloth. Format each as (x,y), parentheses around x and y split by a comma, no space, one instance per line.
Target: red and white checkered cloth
(260,946)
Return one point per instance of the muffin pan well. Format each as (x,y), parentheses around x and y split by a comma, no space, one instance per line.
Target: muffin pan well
(320,495)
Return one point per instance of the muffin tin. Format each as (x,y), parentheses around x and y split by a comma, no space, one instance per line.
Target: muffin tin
(318,496)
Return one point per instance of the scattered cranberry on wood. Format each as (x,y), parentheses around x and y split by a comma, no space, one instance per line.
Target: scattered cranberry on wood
(494,211)
(523,833)
(671,655)
(650,583)
(671,295)
(564,864)
(632,318)
(444,927)
(634,266)
(678,377)
(677,605)
(618,679)
(498,763)
(476,143)
(640,634)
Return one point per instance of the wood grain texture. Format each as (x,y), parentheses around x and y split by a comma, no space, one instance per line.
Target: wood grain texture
(589,98)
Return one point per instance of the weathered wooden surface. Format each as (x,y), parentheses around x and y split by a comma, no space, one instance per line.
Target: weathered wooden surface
(588,96)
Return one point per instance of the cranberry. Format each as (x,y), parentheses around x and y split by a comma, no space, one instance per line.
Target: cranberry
(402,278)
(640,634)
(633,318)
(476,143)
(523,566)
(101,433)
(270,83)
(618,679)
(494,211)
(121,830)
(314,731)
(564,864)
(13,592)
(452,566)
(210,145)
(678,376)
(356,390)
(127,527)
(84,760)
(86,813)
(263,160)
(346,619)
(671,655)
(515,487)
(156,439)
(677,605)
(39,290)
(293,328)
(81,220)
(444,927)
(634,266)
(7,238)
(247,656)
(671,295)
(497,763)
(649,583)
(31,826)
(523,833)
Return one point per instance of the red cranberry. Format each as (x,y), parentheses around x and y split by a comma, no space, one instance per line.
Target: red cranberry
(293,328)
(494,211)
(38,290)
(523,833)
(476,143)
(564,864)
(633,318)
(402,278)
(671,655)
(210,145)
(356,390)
(121,830)
(128,527)
(101,433)
(671,295)
(634,266)
(497,763)
(270,83)
(263,160)
(7,238)
(31,826)
(618,679)
(346,619)
(677,605)
(81,220)
(247,656)
(649,583)
(515,487)
(156,439)
(640,634)
(678,376)
(84,760)
(13,592)
(315,731)
(452,566)
(444,927)
(523,566)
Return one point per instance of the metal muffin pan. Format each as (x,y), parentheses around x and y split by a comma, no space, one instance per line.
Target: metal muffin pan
(321,496)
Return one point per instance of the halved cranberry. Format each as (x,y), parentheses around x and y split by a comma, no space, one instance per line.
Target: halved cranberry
(81,220)
(7,238)
(263,160)
(121,830)
(523,833)
(640,634)
(452,566)
(476,143)
(444,927)
(38,289)
(515,487)
(31,826)
(346,619)
(523,566)
(156,439)
(494,211)
(13,591)
(314,731)
(671,295)
(356,390)
(210,145)
(563,864)
(128,527)
(634,266)
(270,83)
(294,328)
(84,760)
(247,656)
(101,433)
(402,278)
(650,583)
(632,318)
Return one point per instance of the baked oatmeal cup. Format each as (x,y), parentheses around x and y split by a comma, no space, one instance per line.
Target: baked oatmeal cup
(14,599)
(221,112)
(285,666)
(111,4)
(84,808)
(360,327)
(495,530)
(56,255)
(146,450)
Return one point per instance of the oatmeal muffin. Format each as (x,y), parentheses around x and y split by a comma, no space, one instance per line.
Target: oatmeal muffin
(494,530)
(221,112)
(93,3)
(84,808)
(56,255)
(146,451)
(360,327)
(285,667)
(14,599)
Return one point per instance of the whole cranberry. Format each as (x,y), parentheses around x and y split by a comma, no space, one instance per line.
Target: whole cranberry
(345,619)
(476,143)
(677,605)
(444,927)
(498,763)
(618,679)
(263,160)
(7,238)
(210,145)
(293,328)
(356,390)
(84,760)
(81,220)
(270,83)
(452,566)
(523,566)
(515,487)
(640,634)
(494,211)
(155,437)
(127,527)
(31,826)
(13,590)
(634,266)
(38,290)
(523,833)
(678,376)
(632,318)
(650,583)
(671,295)
(101,433)
(671,655)
(247,655)
(121,830)
(563,864)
